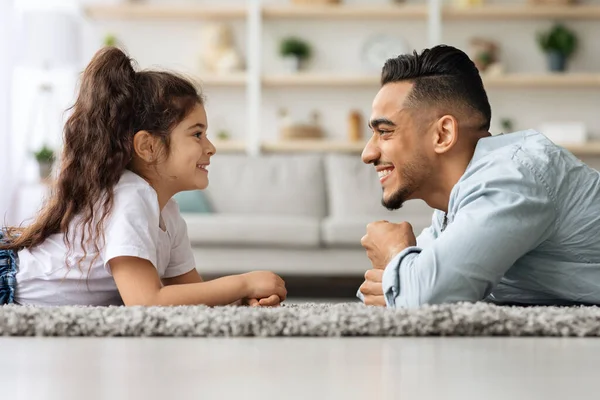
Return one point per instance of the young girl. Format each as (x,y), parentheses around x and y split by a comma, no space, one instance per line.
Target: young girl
(110,233)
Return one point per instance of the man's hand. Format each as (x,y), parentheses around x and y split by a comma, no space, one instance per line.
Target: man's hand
(384,240)
(372,289)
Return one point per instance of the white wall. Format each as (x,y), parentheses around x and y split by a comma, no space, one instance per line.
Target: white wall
(5,90)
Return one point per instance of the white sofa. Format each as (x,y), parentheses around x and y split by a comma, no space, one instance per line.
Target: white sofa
(292,214)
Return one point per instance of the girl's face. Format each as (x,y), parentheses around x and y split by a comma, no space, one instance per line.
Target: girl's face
(186,167)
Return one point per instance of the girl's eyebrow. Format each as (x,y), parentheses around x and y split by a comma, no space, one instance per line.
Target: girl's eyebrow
(198,125)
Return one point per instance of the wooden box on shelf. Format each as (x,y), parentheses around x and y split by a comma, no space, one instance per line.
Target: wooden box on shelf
(552,2)
(300,131)
(315,2)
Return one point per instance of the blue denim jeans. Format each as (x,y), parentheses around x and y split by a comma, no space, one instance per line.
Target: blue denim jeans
(8,272)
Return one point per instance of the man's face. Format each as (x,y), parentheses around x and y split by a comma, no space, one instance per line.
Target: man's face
(397,148)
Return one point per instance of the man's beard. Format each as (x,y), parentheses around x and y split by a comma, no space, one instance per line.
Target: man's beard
(410,174)
(397,199)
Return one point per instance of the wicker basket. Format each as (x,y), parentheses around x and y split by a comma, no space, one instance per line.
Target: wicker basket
(301,132)
(315,2)
(552,2)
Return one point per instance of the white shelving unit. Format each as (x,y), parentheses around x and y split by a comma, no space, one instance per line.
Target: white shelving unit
(329,12)
(432,13)
(164,11)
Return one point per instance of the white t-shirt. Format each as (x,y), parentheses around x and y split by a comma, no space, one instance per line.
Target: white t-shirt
(131,229)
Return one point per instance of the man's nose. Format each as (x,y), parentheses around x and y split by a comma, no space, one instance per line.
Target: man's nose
(371,151)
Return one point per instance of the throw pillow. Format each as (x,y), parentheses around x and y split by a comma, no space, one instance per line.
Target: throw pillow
(193,201)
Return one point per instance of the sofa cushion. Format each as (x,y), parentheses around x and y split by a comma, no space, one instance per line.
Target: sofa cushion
(348,231)
(353,189)
(242,229)
(267,185)
(193,201)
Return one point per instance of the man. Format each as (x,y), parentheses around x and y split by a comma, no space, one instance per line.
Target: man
(517,218)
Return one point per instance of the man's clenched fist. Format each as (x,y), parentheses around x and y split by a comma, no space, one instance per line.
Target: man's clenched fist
(372,289)
(384,240)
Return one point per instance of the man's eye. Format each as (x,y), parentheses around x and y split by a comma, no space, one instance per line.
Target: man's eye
(382,132)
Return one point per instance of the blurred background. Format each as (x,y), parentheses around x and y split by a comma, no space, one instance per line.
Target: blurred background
(289,85)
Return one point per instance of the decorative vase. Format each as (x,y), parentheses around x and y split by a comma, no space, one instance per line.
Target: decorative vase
(557,62)
(292,63)
(315,2)
(45,169)
(354,126)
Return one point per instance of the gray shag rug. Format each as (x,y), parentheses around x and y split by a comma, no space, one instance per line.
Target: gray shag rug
(346,319)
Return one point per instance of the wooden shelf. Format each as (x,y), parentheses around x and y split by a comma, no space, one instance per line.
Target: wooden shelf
(346,11)
(229,146)
(322,79)
(156,11)
(400,11)
(522,12)
(512,80)
(312,145)
(222,80)
(547,80)
(591,149)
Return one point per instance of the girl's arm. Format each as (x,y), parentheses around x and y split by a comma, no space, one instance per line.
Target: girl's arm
(194,277)
(139,284)
(191,277)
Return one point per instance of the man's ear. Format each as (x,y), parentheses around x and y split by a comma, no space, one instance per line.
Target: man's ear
(145,146)
(446,134)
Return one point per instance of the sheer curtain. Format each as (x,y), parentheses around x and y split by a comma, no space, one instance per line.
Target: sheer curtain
(7,175)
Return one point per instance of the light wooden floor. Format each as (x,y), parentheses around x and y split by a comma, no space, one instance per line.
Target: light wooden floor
(302,368)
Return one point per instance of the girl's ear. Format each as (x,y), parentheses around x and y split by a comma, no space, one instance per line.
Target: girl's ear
(144,146)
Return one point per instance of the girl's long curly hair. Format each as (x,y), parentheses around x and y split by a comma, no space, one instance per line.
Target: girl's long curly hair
(114,103)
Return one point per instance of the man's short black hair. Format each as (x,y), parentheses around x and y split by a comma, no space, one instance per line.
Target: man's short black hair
(441,75)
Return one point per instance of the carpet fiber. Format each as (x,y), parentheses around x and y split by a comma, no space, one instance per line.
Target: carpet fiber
(347,319)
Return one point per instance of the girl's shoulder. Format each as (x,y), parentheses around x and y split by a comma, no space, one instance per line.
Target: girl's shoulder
(134,196)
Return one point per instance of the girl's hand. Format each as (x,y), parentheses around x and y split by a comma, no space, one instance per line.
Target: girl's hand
(272,301)
(262,285)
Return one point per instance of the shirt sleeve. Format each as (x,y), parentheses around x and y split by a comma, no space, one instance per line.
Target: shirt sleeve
(501,215)
(131,229)
(182,257)
(426,237)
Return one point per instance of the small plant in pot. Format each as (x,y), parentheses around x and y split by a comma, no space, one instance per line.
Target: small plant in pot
(45,158)
(507,125)
(559,43)
(294,52)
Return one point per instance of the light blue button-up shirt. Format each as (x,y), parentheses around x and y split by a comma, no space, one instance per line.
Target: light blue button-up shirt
(523,226)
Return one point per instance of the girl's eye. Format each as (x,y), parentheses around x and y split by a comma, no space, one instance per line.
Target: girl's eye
(198,135)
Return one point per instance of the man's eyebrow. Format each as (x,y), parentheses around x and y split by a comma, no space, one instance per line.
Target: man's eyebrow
(374,123)
(199,125)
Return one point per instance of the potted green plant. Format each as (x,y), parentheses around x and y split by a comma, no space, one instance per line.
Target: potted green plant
(110,40)
(294,52)
(45,158)
(559,43)
(507,125)
(223,135)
